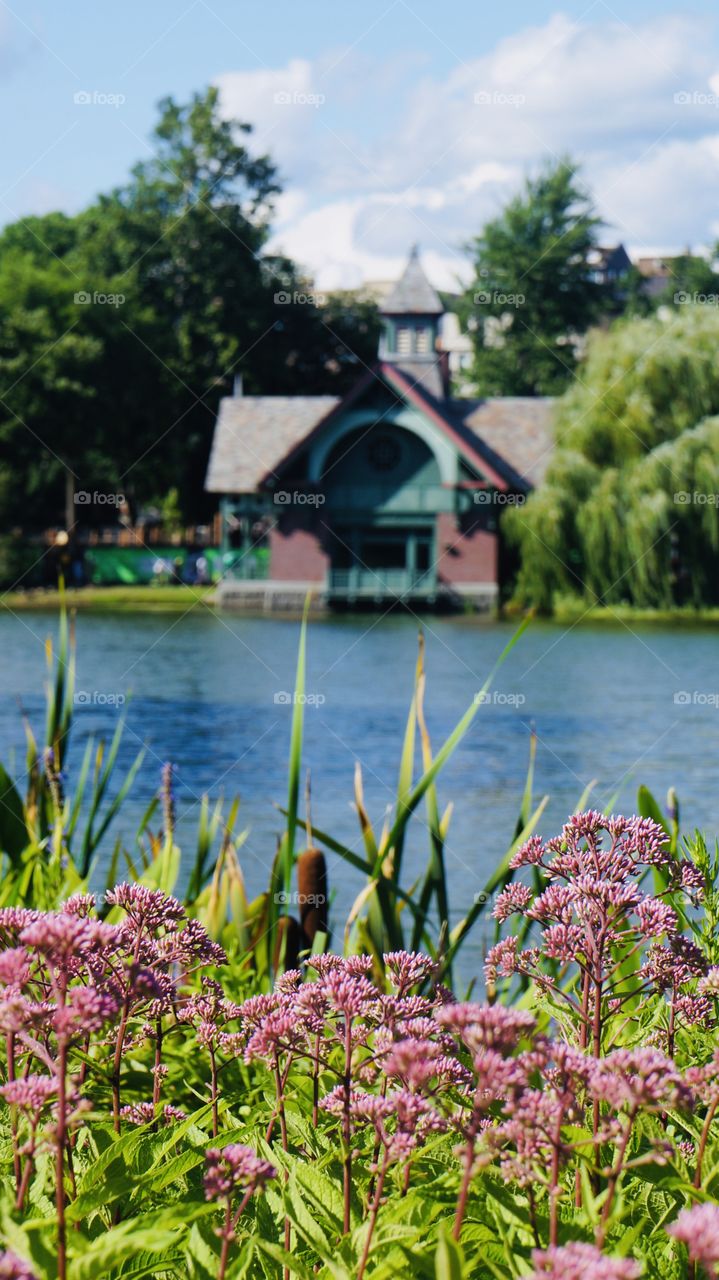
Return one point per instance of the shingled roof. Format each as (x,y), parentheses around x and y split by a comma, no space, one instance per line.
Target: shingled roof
(508,438)
(412,294)
(517,430)
(254,433)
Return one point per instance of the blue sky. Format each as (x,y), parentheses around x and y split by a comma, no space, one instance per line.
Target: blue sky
(392,121)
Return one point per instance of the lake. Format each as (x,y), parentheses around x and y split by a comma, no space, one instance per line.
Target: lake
(210,692)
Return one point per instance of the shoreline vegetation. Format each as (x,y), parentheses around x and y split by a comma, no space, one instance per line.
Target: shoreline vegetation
(207,1087)
(182,597)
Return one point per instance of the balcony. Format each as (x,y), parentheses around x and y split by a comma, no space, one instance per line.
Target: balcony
(359,583)
(410,499)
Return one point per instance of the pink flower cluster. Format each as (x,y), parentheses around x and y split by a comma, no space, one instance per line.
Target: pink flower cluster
(69,979)
(698,1229)
(235,1167)
(592,915)
(13,1268)
(387,1056)
(581,1262)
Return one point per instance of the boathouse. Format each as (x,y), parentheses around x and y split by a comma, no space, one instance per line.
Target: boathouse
(394,492)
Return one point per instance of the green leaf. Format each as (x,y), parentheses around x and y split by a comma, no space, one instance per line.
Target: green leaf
(290,1260)
(449,1262)
(14,836)
(151,1233)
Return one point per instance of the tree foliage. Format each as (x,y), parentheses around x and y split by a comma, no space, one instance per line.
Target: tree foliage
(124,395)
(628,512)
(533,290)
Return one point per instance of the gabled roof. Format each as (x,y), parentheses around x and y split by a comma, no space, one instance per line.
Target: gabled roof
(426,374)
(507,439)
(517,430)
(413,294)
(254,433)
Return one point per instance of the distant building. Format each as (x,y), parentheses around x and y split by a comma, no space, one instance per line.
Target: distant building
(610,264)
(657,274)
(394,492)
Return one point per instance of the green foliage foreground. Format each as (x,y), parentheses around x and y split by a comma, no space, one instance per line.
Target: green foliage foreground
(203,1089)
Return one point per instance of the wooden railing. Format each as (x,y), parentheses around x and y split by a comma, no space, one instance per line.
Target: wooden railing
(380,583)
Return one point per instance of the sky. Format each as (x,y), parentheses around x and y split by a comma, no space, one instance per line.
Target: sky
(392,122)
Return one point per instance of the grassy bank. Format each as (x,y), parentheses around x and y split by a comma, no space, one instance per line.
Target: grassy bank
(180,597)
(155,597)
(572,612)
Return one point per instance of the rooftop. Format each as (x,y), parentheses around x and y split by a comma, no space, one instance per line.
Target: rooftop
(510,436)
(412,294)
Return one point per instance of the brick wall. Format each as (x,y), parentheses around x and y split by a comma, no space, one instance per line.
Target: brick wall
(465,556)
(296,553)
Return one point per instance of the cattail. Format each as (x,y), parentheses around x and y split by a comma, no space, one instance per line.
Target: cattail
(53,778)
(168,802)
(312,885)
(289,939)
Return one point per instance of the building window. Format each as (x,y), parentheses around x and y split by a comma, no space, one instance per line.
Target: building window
(404,341)
(384,453)
(422,339)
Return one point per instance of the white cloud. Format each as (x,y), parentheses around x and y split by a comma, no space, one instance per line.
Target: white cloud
(373,163)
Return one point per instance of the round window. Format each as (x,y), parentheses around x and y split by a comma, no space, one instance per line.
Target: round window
(384,452)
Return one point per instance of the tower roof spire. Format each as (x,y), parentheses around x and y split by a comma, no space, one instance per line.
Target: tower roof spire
(413,294)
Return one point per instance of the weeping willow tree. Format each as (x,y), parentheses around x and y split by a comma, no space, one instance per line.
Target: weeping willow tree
(628,511)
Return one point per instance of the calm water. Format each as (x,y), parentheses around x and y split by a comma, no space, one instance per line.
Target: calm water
(202,691)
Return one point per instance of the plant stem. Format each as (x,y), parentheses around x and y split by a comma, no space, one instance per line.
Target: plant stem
(26,1174)
(597,1051)
(373,1214)
(583,1039)
(614,1177)
(346,1126)
(672,1022)
(464,1189)
(703,1141)
(215,1109)
(280,1092)
(316,1082)
(554,1194)
(533,1215)
(121,1031)
(60,1134)
(10,1045)
(157,1085)
(226,1237)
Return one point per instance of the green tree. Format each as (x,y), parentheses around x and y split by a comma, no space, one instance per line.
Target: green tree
(183,245)
(628,510)
(533,292)
(694,280)
(48,367)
